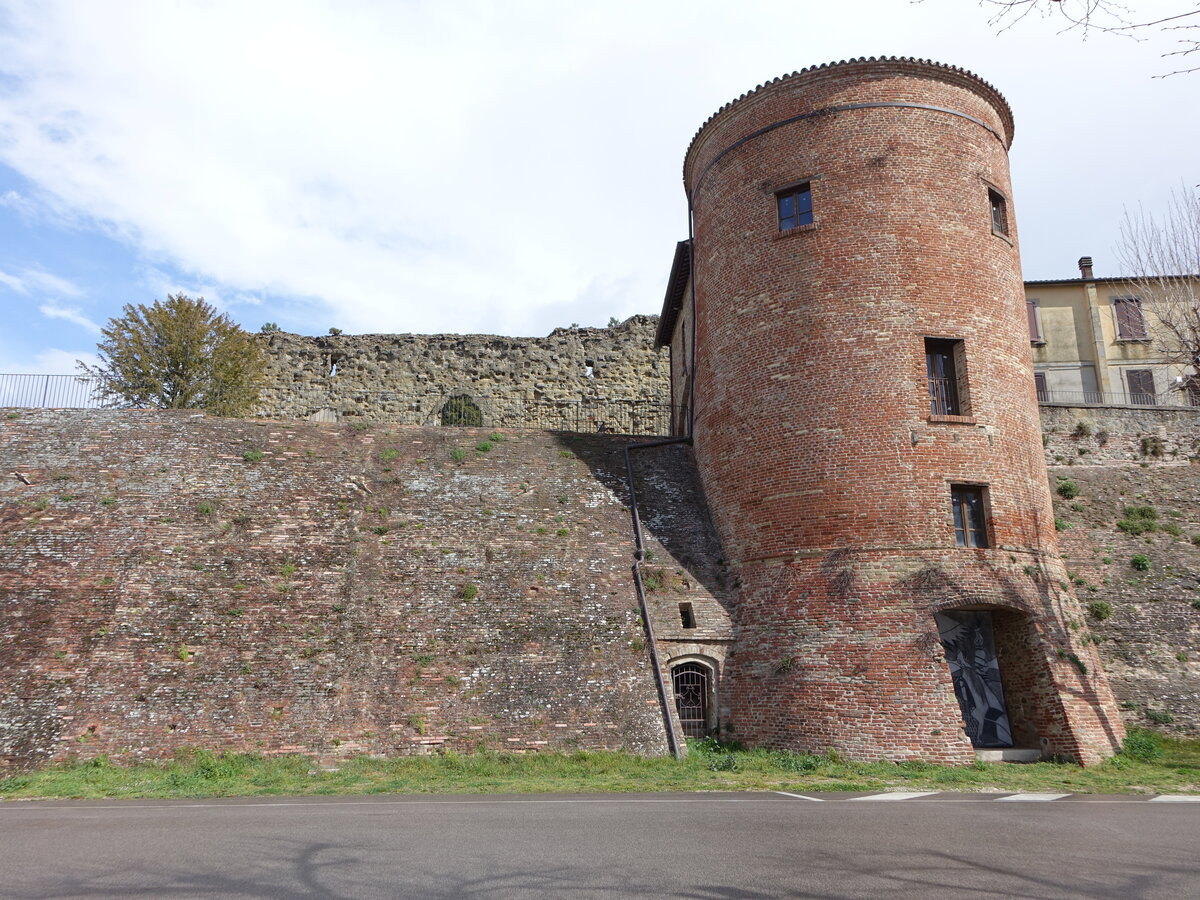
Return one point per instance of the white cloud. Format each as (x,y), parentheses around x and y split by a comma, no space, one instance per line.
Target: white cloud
(69,314)
(13,283)
(37,281)
(18,203)
(46,283)
(474,166)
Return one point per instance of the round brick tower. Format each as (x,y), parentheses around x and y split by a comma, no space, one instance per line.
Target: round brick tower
(866,426)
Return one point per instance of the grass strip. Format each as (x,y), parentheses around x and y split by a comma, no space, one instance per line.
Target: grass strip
(1150,764)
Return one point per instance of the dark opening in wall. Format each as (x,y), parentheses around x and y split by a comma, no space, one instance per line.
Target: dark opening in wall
(967,640)
(686,615)
(461,410)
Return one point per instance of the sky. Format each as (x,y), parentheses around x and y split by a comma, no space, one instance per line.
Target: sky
(479,167)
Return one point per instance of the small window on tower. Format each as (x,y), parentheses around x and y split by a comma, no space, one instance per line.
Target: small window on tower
(945,367)
(795,207)
(999,212)
(970,517)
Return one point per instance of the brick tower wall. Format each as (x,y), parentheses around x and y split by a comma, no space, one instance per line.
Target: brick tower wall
(828,477)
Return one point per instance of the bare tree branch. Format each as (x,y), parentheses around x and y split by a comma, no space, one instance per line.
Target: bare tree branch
(1162,256)
(1103,16)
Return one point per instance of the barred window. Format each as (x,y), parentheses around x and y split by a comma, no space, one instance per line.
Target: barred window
(945,368)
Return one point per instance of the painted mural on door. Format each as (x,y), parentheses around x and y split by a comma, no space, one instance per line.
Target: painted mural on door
(971,653)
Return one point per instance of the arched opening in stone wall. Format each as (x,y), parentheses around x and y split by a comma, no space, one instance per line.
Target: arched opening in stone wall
(695,697)
(1001,679)
(461,410)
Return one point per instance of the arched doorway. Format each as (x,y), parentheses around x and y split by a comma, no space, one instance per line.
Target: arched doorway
(693,697)
(461,410)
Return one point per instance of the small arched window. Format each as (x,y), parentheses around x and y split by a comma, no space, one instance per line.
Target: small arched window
(461,410)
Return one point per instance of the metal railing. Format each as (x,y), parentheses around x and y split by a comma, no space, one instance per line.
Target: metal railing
(943,396)
(50,392)
(1180,399)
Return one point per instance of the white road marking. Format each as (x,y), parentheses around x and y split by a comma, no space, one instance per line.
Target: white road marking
(801,797)
(1033,798)
(1176,798)
(898,795)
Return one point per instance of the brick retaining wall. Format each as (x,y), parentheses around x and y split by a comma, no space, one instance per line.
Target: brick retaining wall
(351,591)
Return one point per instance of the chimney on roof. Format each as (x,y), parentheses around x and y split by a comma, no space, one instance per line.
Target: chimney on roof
(1085,268)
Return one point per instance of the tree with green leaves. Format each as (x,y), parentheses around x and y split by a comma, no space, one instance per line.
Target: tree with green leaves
(180,354)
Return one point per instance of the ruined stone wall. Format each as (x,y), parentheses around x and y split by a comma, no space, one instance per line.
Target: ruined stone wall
(1119,435)
(172,580)
(575,378)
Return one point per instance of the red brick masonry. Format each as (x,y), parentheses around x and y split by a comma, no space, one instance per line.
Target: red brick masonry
(828,478)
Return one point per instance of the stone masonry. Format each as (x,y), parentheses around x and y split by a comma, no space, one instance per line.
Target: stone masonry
(144,605)
(171,580)
(575,378)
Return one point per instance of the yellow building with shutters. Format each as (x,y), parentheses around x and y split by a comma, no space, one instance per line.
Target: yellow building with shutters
(1099,341)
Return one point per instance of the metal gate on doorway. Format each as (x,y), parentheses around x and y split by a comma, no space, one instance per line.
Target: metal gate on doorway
(693,689)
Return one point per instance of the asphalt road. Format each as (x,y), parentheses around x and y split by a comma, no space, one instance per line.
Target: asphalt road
(664,845)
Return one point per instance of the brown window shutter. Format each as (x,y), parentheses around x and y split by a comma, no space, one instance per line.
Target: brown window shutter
(1139,320)
(1122,311)
(1131,324)
(1035,331)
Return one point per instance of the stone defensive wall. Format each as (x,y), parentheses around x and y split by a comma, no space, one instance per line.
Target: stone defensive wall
(576,378)
(171,580)
(1140,591)
(1119,435)
(365,590)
